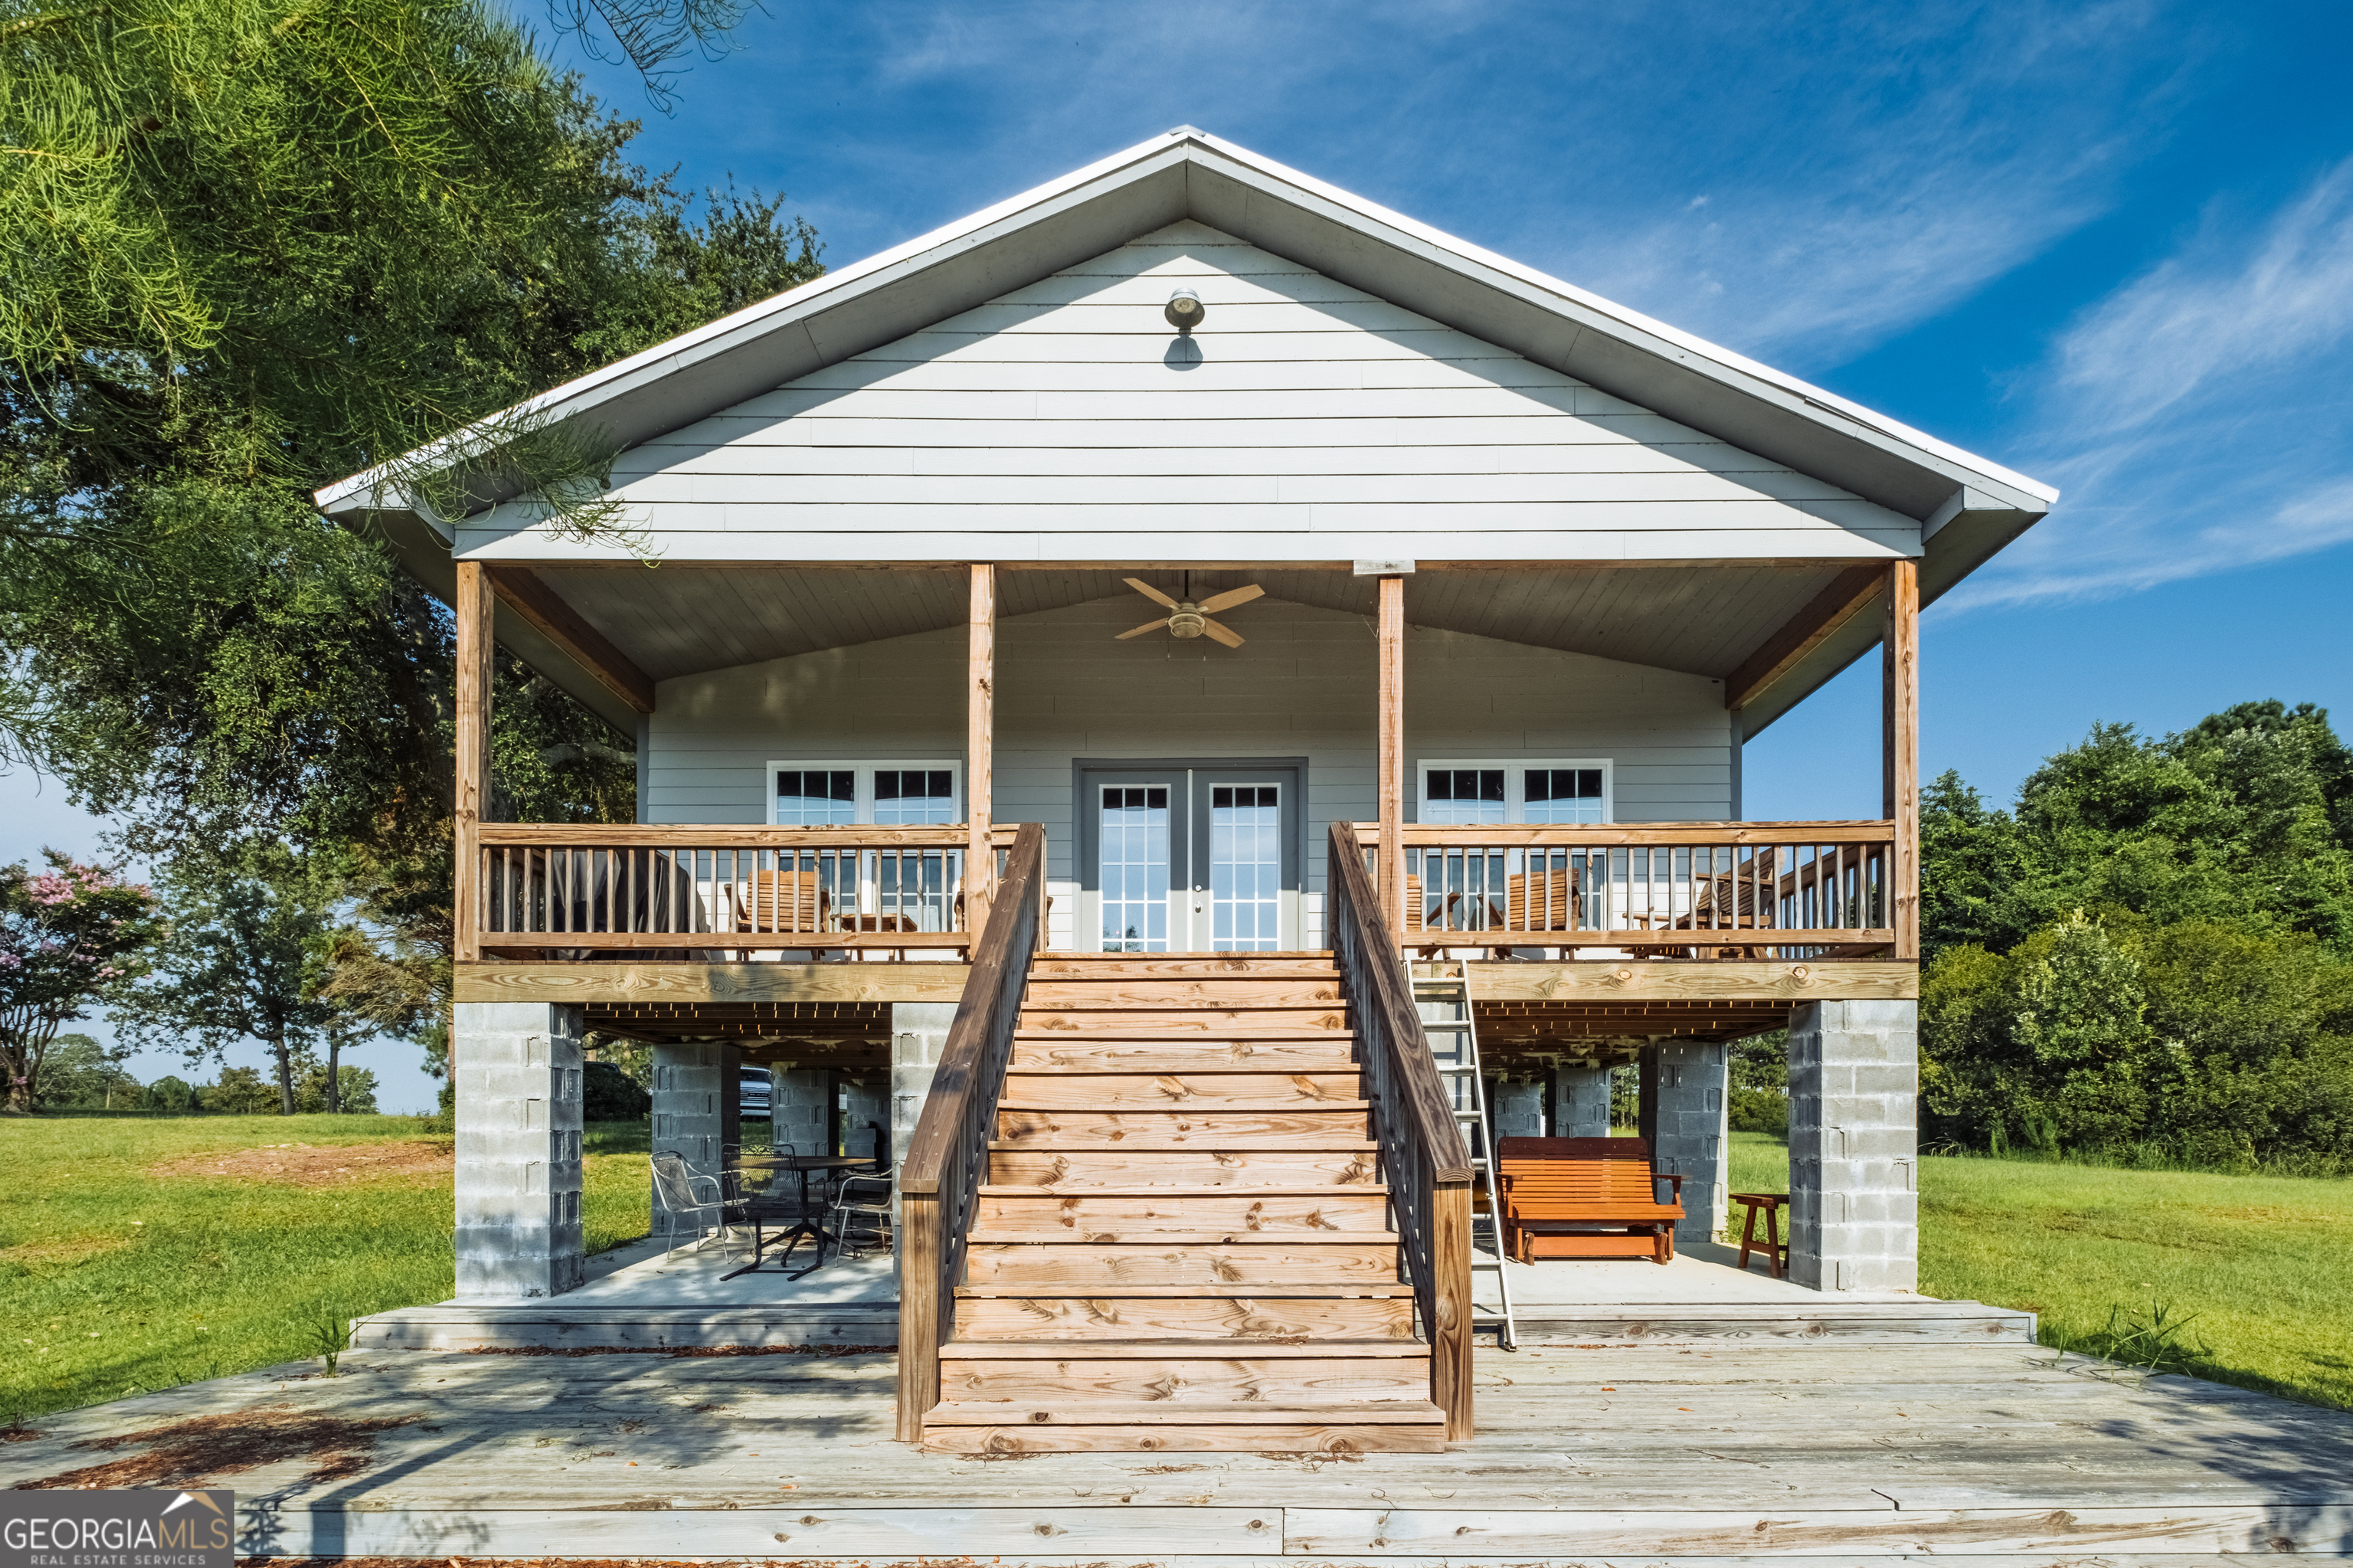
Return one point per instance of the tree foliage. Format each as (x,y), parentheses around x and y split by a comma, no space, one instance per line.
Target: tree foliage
(70,937)
(2154,950)
(252,246)
(249,938)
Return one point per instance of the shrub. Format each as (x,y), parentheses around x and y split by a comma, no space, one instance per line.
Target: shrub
(172,1095)
(240,1091)
(609,1094)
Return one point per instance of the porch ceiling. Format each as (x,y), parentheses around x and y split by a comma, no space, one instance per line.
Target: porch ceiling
(1700,619)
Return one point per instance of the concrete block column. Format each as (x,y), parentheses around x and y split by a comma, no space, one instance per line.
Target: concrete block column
(1580,1102)
(919,1033)
(687,1112)
(1854,1185)
(865,1106)
(518,1154)
(800,1095)
(1516,1110)
(1683,1115)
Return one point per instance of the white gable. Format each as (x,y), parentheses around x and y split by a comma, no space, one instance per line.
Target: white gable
(1308,421)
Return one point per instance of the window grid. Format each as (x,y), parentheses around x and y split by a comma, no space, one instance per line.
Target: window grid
(1245,868)
(1133,857)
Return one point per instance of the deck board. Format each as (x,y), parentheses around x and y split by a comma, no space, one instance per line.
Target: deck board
(1626,1454)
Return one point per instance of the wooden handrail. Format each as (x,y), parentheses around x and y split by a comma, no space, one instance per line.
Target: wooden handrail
(947,1158)
(668,835)
(1423,1151)
(1666,889)
(567,888)
(1620,835)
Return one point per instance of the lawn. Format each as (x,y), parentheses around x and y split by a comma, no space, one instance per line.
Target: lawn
(2261,1267)
(141,1252)
(144,1252)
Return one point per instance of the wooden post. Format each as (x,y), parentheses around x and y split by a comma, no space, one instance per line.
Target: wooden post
(921,1330)
(980,740)
(1392,754)
(1450,1335)
(474,609)
(1900,749)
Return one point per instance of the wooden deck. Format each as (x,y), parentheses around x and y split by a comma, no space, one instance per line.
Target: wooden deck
(1822,1452)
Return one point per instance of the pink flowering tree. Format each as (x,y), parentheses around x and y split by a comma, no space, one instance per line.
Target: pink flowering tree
(70,937)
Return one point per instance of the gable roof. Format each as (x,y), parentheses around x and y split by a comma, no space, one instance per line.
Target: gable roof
(1967,507)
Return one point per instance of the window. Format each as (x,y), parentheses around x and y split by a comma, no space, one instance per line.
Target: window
(1135,864)
(1571,790)
(842,794)
(815,798)
(1561,794)
(914,795)
(1245,868)
(1463,795)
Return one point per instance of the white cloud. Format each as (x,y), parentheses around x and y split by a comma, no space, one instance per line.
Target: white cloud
(2200,417)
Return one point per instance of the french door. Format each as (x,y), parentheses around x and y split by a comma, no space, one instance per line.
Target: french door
(1189,857)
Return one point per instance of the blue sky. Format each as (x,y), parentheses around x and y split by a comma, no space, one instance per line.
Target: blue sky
(2108,245)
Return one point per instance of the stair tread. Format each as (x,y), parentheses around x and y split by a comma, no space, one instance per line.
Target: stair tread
(1246,1107)
(1225,1143)
(1182,1189)
(1160,1411)
(1181,1351)
(1162,1240)
(1189,1037)
(1316,1290)
(1230,1067)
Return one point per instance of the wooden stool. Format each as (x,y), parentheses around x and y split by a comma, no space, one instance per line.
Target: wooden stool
(1776,1250)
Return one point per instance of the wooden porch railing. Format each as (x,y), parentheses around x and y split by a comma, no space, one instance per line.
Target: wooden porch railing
(947,1159)
(544,886)
(1772,890)
(1423,1156)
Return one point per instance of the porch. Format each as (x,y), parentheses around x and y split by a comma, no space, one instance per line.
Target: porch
(1780,1449)
(638,1297)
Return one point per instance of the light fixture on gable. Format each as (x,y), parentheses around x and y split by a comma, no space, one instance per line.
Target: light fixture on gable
(1184,310)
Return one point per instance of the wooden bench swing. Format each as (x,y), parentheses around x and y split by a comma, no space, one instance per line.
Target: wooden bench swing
(1585,1197)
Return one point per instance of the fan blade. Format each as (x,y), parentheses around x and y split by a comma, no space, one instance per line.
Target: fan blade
(1149,591)
(1230,639)
(1228,601)
(1147,626)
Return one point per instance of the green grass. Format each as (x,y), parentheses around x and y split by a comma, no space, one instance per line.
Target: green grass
(2261,1267)
(116,1278)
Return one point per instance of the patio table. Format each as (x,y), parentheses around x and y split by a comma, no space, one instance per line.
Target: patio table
(807,1225)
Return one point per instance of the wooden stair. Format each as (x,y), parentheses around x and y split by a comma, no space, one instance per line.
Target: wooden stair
(1183,1241)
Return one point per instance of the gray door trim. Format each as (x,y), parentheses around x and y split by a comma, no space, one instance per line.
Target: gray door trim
(1179,770)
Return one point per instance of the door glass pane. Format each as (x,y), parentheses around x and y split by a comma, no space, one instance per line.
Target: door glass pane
(816,799)
(1134,844)
(1463,795)
(1563,795)
(1245,868)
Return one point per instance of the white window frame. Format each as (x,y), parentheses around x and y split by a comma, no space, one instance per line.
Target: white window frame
(1514,780)
(862,807)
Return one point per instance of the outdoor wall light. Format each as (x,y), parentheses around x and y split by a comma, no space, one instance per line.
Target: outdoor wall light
(1184,310)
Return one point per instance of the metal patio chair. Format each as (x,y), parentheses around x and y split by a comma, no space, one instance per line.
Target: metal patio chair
(686,1200)
(863,1203)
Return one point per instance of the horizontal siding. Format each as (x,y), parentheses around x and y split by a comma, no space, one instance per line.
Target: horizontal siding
(1302,685)
(1066,421)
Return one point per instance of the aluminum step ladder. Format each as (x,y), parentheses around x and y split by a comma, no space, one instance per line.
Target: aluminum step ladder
(1443,1000)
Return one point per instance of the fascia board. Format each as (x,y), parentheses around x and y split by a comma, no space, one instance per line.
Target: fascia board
(1967,533)
(1036,233)
(1420,267)
(606,391)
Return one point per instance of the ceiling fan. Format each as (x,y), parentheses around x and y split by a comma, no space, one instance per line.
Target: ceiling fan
(1186,619)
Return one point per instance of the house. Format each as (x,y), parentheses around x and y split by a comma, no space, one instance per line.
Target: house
(1172,596)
